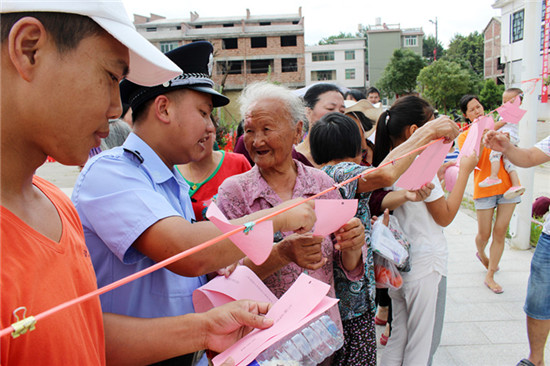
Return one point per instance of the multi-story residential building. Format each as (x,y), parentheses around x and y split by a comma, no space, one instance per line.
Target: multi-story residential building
(246,48)
(493,68)
(342,63)
(383,39)
(513,28)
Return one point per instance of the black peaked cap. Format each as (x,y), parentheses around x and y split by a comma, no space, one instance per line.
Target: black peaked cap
(196,60)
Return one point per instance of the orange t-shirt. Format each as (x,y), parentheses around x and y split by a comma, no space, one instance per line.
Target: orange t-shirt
(38,273)
(484,171)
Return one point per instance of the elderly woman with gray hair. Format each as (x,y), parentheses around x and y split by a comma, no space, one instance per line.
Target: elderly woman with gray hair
(273,120)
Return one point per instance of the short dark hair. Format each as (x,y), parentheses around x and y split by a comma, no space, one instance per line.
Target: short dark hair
(334,136)
(138,114)
(313,94)
(141,110)
(67,30)
(372,89)
(464,103)
(356,94)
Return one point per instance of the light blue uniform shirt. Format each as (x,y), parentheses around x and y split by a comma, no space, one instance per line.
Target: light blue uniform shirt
(118,197)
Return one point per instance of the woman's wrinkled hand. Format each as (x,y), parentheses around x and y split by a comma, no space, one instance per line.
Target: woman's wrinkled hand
(299,219)
(303,249)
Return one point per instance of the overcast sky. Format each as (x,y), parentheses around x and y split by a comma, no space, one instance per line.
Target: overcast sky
(323,18)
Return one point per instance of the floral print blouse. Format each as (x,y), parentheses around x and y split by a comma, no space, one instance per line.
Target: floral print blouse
(247,193)
(355,296)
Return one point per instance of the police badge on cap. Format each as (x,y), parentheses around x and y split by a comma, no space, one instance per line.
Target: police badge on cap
(195,59)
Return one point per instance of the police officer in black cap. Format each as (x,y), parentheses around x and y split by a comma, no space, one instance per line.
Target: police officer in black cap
(136,211)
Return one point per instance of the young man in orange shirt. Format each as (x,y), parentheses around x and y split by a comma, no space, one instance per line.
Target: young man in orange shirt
(61,67)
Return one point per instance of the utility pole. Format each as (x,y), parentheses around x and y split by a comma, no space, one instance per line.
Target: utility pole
(435,47)
(520,227)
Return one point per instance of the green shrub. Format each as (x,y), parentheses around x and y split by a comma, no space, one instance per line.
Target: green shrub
(536,230)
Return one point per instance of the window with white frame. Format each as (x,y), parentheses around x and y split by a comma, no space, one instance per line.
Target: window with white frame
(350,74)
(410,41)
(321,75)
(168,46)
(350,55)
(322,56)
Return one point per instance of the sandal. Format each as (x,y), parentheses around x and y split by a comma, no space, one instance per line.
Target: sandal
(497,290)
(513,192)
(525,362)
(379,321)
(384,340)
(489,182)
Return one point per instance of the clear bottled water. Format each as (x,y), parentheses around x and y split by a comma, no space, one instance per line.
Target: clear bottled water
(307,346)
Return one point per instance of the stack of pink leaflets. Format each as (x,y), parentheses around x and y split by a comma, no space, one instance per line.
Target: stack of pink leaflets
(302,303)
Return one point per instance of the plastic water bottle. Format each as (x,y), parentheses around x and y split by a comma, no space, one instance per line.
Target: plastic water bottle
(307,346)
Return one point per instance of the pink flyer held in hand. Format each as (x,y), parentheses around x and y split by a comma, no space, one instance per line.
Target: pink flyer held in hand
(424,168)
(256,243)
(242,284)
(475,133)
(332,215)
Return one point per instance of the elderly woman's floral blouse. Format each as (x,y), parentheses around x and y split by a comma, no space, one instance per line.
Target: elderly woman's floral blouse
(247,193)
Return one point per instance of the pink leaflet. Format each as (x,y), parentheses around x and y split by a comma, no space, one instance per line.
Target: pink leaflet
(256,244)
(332,215)
(511,111)
(424,168)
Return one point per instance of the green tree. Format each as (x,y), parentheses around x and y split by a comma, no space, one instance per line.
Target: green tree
(443,83)
(469,49)
(332,39)
(428,46)
(491,95)
(400,74)
(475,82)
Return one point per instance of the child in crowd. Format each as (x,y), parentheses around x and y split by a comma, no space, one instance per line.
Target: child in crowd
(335,142)
(512,130)
(417,320)
(366,158)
